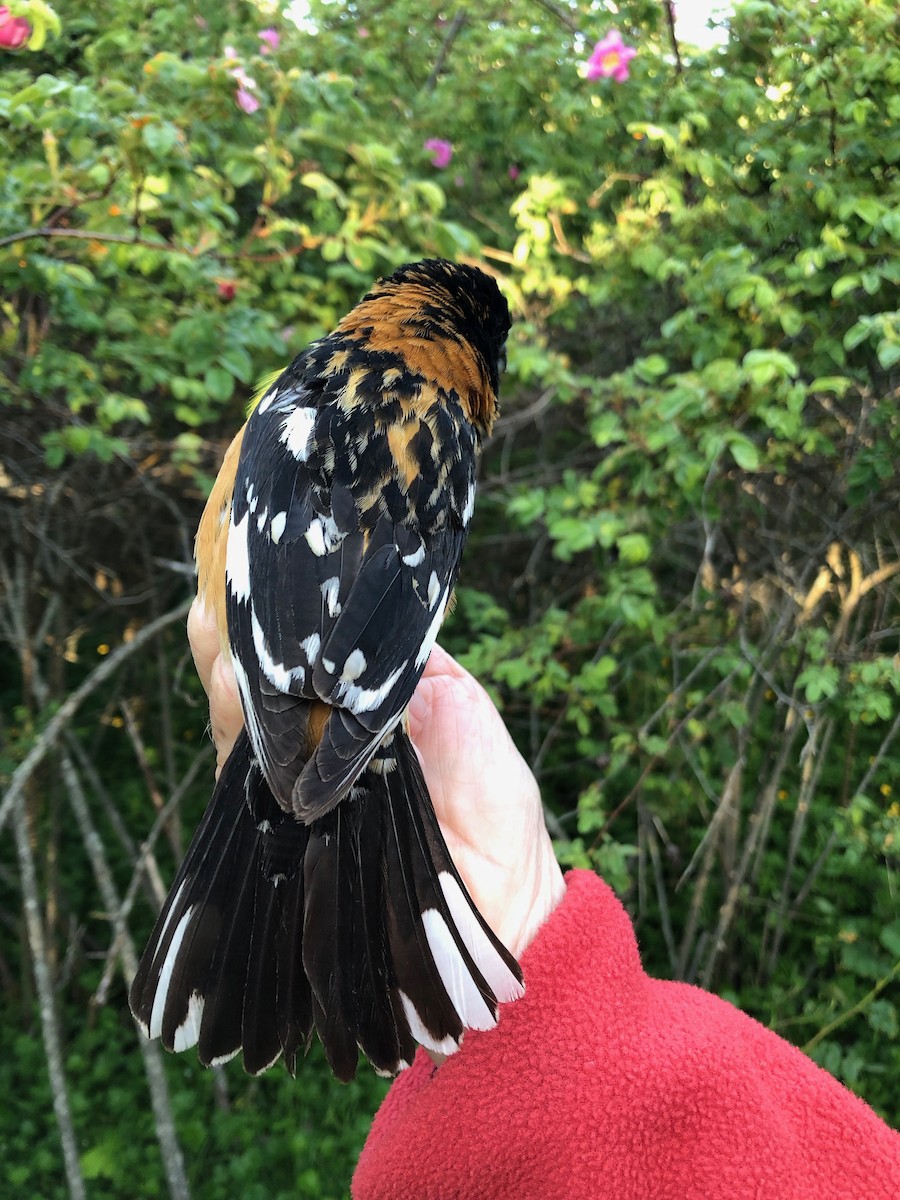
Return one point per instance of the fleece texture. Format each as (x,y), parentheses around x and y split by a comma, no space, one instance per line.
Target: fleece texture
(603,1083)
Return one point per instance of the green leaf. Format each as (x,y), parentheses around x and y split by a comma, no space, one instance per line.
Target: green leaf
(890,938)
(651,367)
(219,383)
(867,209)
(744,452)
(634,548)
(160,138)
(839,384)
(846,283)
(237,361)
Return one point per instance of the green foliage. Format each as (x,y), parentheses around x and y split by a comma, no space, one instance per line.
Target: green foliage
(682,584)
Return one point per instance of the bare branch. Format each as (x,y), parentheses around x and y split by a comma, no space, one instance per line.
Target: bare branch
(669,9)
(450,37)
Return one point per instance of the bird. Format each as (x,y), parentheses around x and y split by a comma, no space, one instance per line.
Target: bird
(318,892)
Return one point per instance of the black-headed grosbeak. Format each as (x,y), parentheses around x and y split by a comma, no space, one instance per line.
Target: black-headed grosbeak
(318,889)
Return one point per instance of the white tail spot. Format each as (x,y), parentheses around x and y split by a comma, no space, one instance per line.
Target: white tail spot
(417,1028)
(188,1032)
(165,975)
(497,974)
(461,987)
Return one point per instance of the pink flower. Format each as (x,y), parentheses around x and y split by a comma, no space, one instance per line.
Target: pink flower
(441,152)
(610,59)
(242,78)
(362,32)
(246,85)
(227,289)
(514,172)
(246,100)
(14,31)
(271,40)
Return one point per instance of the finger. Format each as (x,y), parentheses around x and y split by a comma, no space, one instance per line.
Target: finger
(442,663)
(204,639)
(226,717)
(441,670)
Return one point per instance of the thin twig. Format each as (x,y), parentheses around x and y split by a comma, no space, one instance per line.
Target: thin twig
(560,16)
(669,9)
(854,1010)
(450,37)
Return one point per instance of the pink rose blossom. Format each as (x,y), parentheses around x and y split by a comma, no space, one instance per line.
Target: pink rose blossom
(243,79)
(610,59)
(14,31)
(441,152)
(246,84)
(271,40)
(246,100)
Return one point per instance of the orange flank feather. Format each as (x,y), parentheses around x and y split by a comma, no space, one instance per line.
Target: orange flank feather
(211,542)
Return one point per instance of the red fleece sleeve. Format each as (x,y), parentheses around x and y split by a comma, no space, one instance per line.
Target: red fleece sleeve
(605,1084)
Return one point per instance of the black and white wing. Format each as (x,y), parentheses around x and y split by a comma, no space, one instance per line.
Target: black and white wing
(341,562)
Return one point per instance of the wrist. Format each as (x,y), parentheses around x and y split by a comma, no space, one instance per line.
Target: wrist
(537,901)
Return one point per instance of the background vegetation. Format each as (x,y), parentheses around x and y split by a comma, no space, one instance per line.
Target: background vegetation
(682,585)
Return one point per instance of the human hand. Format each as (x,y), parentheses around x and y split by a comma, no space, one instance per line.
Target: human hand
(486,799)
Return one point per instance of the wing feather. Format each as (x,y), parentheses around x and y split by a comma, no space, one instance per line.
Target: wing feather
(337,586)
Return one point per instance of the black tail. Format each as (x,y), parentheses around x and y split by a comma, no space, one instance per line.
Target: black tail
(358,924)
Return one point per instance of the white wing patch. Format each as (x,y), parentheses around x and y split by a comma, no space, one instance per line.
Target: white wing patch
(330,589)
(431,636)
(253,727)
(354,666)
(297,430)
(323,535)
(359,699)
(237,560)
(311,646)
(267,400)
(434,589)
(413,560)
(282,677)
(469,507)
(276,528)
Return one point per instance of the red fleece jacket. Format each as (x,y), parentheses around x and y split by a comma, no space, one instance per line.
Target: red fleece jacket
(605,1084)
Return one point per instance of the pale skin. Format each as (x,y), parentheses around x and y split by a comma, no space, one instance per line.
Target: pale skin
(485,797)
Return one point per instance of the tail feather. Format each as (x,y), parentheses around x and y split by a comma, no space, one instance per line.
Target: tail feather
(293,998)
(209,973)
(380,1028)
(326,926)
(357,924)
